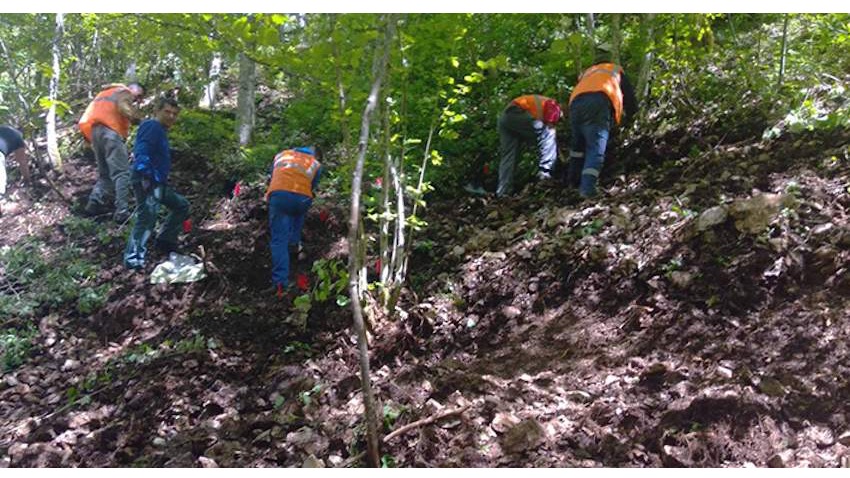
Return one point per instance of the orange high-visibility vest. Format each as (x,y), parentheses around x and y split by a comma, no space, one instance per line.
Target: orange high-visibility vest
(605,78)
(533,104)
(104,110)
(294,172)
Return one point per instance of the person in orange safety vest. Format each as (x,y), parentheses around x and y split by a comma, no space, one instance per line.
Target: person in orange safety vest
(527,118)
(602,98)
(294,177)
(105,125)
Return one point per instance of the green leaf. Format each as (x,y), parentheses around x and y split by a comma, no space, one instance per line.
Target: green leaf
(303,303)
(342,300)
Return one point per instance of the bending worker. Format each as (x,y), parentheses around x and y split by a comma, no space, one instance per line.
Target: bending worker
(295,176)
(106,124)
(527,118)
(598,100)
(12,146)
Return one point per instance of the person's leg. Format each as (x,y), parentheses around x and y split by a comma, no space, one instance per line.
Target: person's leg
(117,160)
(547,148)
(279,223)
(21,157)
(146,211)
(596,138)
(2,173)
(178,208)
(515,125)
(577,145)
(298,211)
(103,190)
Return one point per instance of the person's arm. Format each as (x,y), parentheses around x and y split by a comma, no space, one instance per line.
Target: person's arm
(315,183)
(125,106)
(144,149)
(23,160)
(630,103)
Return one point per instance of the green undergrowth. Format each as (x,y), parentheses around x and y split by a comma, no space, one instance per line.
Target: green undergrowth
(36,278)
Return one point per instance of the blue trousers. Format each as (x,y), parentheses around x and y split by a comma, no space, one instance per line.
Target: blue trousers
(286,219)
(590,122)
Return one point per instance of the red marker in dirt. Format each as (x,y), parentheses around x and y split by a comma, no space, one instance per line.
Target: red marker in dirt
(379,182)
(187,226)
(486,169)
(323,215)
(302,282)
(237,188)
(378,266)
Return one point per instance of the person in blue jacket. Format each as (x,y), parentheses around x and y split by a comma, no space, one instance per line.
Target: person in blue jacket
(149,180)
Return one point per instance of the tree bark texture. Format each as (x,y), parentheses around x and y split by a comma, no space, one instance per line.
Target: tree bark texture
(245,107)
(211,89)
(648,29)
(379,68)
(782,59)
(616,36)
(53,95)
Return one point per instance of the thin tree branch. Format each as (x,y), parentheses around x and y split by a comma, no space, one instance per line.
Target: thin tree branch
(425,421)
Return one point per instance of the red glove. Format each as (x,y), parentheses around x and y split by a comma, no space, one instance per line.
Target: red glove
(302,282)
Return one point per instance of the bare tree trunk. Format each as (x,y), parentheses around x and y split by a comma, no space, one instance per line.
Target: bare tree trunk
(245,108)
(386,202)
(341,96)
(53,93)
(406,261)
(96,77)
(648,27)
(784,51)
(590,28)
(211,89)
(616,37)
(379,68)
(578,58)
(130,72)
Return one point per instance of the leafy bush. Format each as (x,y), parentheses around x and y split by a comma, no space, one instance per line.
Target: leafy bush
(79,227)
(205,133)
(824,108)
(38,279)
(92,298)
(15,346)
(333,280)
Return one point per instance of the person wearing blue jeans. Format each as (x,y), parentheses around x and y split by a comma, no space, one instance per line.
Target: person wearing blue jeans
(295,176)
(149,180)
(590,121)
(599,100)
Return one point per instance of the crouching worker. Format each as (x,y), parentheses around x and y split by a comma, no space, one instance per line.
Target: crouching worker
(149,180)
(12,146)
(295,175)
(527,118)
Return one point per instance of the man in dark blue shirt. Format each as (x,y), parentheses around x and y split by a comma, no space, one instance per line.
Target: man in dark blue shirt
(149,180)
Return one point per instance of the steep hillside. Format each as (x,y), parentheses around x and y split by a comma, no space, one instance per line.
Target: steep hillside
(695,315)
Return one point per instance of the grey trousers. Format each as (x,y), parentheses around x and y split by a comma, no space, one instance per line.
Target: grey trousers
(113,171)
(517,126)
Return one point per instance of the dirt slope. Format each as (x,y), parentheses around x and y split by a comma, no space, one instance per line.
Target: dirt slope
(634,330)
